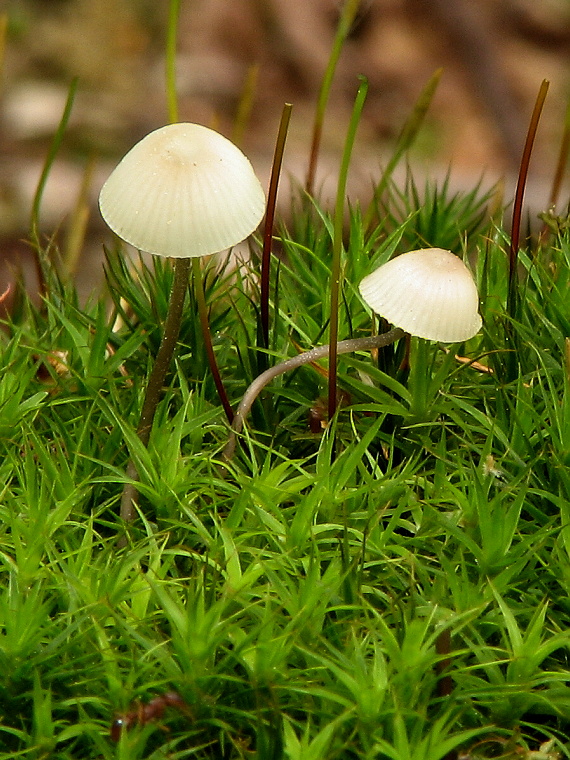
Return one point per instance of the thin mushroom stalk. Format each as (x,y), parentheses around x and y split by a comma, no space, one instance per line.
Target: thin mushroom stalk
(343,347)
(156,380)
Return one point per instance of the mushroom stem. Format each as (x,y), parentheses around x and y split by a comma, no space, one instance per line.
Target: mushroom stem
(343,347)
(157,375)
(207,336)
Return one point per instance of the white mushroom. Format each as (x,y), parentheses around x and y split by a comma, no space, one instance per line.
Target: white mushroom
(184,190)
(429,293)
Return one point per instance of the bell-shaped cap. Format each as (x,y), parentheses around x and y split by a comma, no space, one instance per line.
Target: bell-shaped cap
(429,293)
(184,190)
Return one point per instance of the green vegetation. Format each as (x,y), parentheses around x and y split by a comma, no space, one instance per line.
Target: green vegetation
(391,586)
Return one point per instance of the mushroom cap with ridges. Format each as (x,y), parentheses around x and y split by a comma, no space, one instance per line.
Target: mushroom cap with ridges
(429,293)
(184,190)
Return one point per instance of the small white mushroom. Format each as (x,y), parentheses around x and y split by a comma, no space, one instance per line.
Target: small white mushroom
(429,293)
(183,191)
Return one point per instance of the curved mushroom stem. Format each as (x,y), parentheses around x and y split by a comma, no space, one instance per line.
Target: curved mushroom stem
(343,347)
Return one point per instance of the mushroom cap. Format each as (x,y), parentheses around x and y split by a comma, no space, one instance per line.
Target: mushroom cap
(184,190)
(429,293)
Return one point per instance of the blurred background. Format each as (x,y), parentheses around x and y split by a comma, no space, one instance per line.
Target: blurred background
(495,53)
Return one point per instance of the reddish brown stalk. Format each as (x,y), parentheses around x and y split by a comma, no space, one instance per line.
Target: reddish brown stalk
(521,183)
(313,157)
(207,337)
(337,244)
(269,221)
